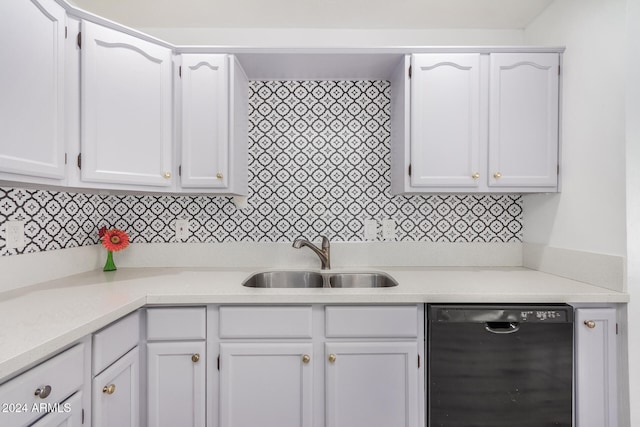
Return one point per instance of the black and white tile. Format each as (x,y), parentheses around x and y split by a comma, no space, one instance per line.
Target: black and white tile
(319,163)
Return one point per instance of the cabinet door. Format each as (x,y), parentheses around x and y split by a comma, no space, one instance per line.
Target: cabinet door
(116,393)
(372,384)
(266,384)
(523,124)
(205,123)
(176,384)
(32,86)
(126,109)
(596,371)
(445,120)
(68,414)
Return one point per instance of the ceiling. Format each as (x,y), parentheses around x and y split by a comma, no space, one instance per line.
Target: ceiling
(356,14)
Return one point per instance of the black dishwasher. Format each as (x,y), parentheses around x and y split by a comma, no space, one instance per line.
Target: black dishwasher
(500,366)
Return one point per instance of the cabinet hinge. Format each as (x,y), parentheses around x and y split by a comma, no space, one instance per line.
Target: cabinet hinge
(65,158)
(82,415)
(218,362)
(80,40)
(558,70)
(557,169)
(409,169)
(616,329)
(66,32)
(180,71)
(418,361)
(410,69)
(80,161)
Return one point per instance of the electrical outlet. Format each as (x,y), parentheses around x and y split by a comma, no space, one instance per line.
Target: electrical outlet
(182,229)
(370,229)
(388,229)
(15,234)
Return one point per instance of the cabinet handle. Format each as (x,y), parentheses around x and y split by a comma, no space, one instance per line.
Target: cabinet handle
(332,358)
(590,324)
(167,175)
(475,175)
(195,357)
(43,392)
(497,175)
(306,358)
(219,175)
(109,389)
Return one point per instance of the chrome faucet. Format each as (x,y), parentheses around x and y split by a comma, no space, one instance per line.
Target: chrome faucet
(324,254)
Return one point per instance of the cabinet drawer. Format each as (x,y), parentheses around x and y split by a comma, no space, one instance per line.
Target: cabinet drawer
(57,378)
(265,322)
(112,342)
(188,323)
(371,322)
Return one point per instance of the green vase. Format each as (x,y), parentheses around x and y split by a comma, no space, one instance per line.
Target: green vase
(110,265)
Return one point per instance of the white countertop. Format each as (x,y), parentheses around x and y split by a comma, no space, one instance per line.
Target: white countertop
(41,319)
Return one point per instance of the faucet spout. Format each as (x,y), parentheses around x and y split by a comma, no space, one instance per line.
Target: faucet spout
(324,252)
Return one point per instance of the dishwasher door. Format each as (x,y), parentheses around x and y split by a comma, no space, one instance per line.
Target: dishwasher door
(500,366)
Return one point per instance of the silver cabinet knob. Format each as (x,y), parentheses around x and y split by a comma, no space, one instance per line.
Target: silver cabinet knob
(590,324)
(109,389)
(497,175)
(475,175)
(43,392)
(167,175)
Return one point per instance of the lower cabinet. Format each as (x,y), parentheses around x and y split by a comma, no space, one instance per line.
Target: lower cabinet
(116,394)
(176,367)
(333,366)
(176,384)
(596,395)
(269,384)
(372,384)
(69,415)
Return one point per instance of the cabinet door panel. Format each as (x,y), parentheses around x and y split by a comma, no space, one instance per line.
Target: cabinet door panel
(116,393)
(596,371)
(176,384)
(205,123)
(445,120)
(32,87)
(523,129)
(126,109)
(265,384)
(69,414)
(372,384)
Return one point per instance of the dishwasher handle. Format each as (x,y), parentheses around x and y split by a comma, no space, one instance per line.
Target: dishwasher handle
(502,327)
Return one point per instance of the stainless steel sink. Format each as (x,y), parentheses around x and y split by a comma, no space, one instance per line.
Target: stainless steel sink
(361,280)
(311,279)
(285,279)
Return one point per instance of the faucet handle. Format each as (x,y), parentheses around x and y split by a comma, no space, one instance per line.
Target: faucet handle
(325,242)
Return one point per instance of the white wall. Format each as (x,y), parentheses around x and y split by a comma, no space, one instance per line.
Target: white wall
(589,214)
(633,200)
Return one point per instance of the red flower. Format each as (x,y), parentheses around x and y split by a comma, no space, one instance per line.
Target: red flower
(101,231)
(115,240)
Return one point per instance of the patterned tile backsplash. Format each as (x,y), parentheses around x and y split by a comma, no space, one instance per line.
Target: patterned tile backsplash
(319,163)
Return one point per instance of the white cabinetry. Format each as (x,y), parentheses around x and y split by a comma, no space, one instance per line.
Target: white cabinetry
(523,120)
(596,367)
(126,110)
(176,367)
(32,37)
(116,368)
(480,122)
(69,414)
(44,389)
(214,109)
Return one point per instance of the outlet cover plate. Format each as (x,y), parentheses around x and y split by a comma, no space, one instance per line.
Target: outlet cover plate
(182,229)
(15,234)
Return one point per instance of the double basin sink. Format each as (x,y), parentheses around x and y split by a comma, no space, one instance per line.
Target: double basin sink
(313,279)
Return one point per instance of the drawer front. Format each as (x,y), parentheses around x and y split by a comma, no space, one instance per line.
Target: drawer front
(184,323)
(115,340)
(265,322)
(371,322)
(55,380)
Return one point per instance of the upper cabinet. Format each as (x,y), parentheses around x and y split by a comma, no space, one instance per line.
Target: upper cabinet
(479,123)
(523,120)
(213,92)
(32,36)
(126,130)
